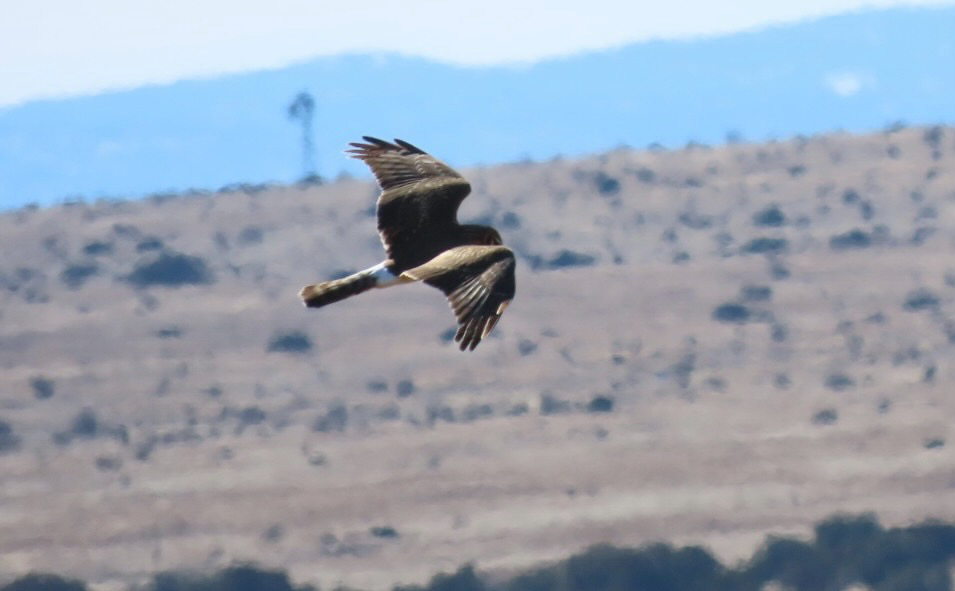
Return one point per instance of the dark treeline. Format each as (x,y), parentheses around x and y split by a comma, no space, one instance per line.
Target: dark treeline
(845,550)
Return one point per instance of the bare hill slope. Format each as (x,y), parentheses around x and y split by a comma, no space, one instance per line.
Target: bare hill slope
(706,345)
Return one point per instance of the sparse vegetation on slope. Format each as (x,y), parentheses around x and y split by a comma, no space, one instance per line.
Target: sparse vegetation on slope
(709,344)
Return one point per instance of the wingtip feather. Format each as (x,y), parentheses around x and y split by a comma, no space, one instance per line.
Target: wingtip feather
(409,147)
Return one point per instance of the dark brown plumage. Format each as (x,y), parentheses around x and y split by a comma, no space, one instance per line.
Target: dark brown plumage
(417,223)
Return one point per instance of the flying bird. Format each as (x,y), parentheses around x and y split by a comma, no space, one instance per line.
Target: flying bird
(423,241)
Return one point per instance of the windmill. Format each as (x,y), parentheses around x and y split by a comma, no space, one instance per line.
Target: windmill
(301,109)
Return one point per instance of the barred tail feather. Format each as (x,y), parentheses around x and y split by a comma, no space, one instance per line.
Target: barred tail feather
(329,292)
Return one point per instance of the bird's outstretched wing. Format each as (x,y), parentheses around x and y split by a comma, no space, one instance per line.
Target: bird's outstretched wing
(419,197)
(479,283)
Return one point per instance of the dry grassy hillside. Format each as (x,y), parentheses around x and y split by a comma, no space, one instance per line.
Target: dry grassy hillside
(706,345)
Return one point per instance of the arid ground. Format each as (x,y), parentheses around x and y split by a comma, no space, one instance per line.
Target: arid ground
(707,345)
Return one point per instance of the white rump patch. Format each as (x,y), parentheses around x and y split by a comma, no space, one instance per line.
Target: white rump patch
(385,277)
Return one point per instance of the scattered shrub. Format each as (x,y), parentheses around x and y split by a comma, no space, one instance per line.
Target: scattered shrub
(568,258)
(144,449)
(732,313)
(149,244)
(440,412)
(850,196)
(317,459)
(723,240)
(98,248)
(778,271)
(29,283)
(695,221)
(906,355)
(600,403)
(170,270)
(86,425)
(756,293)
(221,241)
(519,409)
(384,531)
(43,388)
(333,420)
(404,388)
(54,245)
(169,332)
(681,257)
(919,300)
(826,416)
(852,239)
(126,231)
(526,346)
(606,184)
(74,276)
(377,386)
(839,382)
(684,368)
(933,137)
(476,411)
(551,405)
(921,234)
(779,332)
(949,329)
(447,335)
(109,463)
(14,282)
(293,341)
(927,212)
(765,245)
(645,175)
(162,388)
(250,235)
(771,217)
(250,416)
(934,443)
(9,440)
(510,221)
(274,533)
(389,412)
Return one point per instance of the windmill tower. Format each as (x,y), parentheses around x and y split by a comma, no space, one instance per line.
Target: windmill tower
(302,109)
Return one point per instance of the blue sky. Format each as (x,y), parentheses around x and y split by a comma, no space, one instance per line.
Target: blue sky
(53,48)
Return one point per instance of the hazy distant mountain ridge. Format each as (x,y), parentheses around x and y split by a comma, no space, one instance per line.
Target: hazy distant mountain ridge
(855,72)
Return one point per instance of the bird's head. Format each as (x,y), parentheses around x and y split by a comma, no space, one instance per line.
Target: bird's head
(482,235)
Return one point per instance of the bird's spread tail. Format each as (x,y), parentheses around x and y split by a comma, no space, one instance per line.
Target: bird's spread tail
(329,292)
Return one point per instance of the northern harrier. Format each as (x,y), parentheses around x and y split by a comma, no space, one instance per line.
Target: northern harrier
(417,223)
